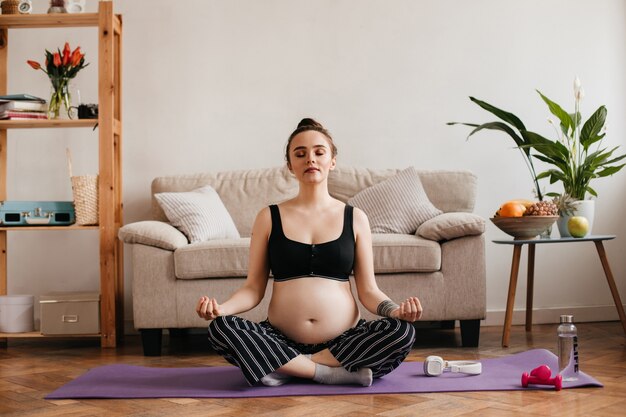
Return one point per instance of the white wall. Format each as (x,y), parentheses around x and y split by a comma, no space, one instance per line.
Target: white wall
(215,85)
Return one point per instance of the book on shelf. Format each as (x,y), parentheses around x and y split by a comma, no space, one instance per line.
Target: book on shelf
(23,105)
(21,97)
(22,115)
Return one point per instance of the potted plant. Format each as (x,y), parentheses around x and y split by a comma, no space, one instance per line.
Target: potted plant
(576,155)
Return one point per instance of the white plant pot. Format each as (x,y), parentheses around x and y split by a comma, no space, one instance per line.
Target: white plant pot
(583,208)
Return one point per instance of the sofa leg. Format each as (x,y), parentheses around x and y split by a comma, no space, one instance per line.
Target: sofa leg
(151,340)
(470,332)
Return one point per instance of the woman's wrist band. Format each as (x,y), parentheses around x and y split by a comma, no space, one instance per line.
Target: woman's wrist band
(385,308)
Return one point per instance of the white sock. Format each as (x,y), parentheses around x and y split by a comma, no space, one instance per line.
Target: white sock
(276,379)
(341,376)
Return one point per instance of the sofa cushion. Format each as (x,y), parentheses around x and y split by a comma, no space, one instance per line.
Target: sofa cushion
(199,214)
(398,253)
(449,191)
(393,253)
(397,205)
(219,258)
(451,226)
(243,192)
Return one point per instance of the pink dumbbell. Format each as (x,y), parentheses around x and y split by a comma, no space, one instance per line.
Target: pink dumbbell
(541,376)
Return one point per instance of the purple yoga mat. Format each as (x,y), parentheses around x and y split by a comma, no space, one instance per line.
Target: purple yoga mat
(127,381)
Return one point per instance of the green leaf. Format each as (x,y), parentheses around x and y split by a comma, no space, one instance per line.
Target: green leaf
(558,162)
(554,175)
(547,147)
(598,158)
(593,140)
(461,123)
(612,161)
(544,174)
(508,117)
(592,127)
(501,127)
(567,122)
(610,170)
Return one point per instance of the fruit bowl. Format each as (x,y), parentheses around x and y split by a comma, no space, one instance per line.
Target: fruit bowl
(525,227)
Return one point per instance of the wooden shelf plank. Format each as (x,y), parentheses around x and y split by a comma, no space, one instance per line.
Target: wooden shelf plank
(58,123)
(37,334)
(19,21)
(41,228)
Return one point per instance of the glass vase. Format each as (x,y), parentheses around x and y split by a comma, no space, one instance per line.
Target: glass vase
(62,94)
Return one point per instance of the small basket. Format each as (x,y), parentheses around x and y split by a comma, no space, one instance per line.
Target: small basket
(10,6)
(85,190)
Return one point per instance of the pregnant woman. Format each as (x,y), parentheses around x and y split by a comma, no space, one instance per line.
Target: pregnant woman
(311,244)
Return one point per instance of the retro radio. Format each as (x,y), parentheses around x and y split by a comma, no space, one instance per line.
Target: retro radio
(37,213)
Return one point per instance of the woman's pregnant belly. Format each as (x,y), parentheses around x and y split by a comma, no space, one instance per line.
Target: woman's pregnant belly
(312,310)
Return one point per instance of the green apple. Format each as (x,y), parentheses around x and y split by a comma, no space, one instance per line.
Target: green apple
(578,226)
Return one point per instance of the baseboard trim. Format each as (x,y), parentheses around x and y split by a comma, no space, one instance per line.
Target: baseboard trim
(551,315)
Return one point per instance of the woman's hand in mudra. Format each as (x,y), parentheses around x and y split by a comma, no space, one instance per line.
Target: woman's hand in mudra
(410,310)
(208,308)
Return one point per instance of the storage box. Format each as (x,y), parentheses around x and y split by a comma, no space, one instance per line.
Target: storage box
(69,313)
(16,313)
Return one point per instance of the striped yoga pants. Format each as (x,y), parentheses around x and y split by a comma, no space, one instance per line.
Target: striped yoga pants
(259,349)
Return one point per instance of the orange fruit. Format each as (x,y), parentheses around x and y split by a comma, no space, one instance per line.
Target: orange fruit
(523,201)
(511,209)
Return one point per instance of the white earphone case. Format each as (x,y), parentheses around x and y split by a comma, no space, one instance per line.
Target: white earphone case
(435,366)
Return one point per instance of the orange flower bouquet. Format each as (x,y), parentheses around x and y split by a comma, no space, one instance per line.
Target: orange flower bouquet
(61,67)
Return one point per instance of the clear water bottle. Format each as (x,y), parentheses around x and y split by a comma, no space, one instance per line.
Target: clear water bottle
(568,349)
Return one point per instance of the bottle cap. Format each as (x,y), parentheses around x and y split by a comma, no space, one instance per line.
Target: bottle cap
(566,318)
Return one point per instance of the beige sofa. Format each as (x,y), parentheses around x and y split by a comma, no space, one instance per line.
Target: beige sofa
(445,269)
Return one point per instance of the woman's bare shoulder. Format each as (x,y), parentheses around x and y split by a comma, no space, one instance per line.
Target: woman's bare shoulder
(360,220)
(263,221)
(359,215)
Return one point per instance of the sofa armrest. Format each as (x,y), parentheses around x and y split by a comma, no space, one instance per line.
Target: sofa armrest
(153,233)
(154,291)
(448,226)
(464,271)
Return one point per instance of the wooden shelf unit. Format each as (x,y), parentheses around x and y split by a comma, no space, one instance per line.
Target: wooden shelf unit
(109,30)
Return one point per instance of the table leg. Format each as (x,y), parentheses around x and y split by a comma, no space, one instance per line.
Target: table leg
(611,281)
(510,301)
(530,283)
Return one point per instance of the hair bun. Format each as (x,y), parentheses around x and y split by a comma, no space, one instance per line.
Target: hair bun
(308,122)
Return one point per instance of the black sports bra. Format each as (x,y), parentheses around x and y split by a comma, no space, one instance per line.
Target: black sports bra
(290,259)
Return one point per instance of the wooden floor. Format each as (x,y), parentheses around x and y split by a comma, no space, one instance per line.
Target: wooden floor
(32,368)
